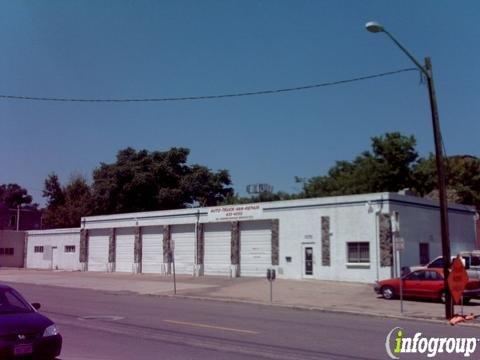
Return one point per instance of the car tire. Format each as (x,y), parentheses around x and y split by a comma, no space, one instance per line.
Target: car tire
(387,292)
(442,297)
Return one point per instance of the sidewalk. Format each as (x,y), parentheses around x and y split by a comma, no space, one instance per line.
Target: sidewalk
(306,294)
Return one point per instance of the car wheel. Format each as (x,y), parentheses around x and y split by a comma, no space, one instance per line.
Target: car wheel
(442,297)
(387,292)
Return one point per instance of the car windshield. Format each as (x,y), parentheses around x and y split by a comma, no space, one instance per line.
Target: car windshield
(12,302)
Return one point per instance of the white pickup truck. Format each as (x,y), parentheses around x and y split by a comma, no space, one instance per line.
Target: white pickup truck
(470,259)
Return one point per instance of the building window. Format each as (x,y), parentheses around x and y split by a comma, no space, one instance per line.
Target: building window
(6,251)
(424,254)
(13,221)
(38,249)
(358,252)
(69,248)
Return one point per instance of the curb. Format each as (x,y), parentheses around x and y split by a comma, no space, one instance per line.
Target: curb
(316,308)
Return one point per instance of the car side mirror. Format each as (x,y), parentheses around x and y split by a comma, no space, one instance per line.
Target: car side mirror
(36,306)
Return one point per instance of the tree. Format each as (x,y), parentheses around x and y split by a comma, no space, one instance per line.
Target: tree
(145,181)
(53,191)
(462,179)
(205,187)
(387,168)
(66,205)
(13,195)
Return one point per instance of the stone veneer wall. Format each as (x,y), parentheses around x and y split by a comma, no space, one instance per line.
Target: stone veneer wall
(325,222)
(275,241)
(386,247)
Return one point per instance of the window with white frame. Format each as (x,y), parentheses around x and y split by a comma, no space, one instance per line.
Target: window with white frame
(358,252)
(69,248)
(38,249)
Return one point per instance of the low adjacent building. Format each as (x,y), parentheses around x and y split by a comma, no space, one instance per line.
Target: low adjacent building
(27,217)
(347,238)
(53,249)
(12,245)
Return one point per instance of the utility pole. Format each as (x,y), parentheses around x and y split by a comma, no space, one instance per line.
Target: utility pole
(426,70)
(442,192)
(18,217)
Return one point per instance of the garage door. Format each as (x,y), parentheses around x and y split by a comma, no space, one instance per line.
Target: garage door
(152,250)
(124,249)
(184,238)
(98,250)
(217,238)
(255,248)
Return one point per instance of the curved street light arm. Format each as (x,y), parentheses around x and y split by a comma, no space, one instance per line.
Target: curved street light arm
(410,56)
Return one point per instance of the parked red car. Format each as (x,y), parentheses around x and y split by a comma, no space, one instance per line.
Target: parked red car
(424,284)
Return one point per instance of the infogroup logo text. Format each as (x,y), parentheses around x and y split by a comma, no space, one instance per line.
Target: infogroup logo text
(397,343)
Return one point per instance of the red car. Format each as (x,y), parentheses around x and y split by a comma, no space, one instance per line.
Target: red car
(424,284)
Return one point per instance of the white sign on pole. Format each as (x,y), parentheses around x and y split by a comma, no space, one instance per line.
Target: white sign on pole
(235,212)
(399,244)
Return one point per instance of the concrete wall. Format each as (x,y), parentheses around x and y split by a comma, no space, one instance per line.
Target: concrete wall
(16,240)
(57,259)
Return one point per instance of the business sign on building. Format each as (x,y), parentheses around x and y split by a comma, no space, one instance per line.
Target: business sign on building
(234,213)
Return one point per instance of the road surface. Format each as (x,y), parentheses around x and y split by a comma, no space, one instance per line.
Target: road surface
(100,325)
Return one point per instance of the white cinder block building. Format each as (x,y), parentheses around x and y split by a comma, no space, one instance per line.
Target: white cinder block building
(53,249)
(347,238)
(12,246)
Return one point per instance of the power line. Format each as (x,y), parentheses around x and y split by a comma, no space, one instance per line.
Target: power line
(209,97)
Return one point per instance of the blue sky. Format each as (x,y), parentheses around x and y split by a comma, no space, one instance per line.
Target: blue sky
(142,49)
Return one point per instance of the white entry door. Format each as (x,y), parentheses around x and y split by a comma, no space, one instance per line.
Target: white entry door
(55,258)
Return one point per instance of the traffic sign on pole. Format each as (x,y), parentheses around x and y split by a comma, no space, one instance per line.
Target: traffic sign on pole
(457,280)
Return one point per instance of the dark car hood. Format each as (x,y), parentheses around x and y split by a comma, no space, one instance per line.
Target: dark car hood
(23,323)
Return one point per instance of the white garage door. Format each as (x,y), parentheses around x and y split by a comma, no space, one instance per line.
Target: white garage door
(152,249)
(217,246)
(184,238)
(124,249)
(98,250)
(255,248)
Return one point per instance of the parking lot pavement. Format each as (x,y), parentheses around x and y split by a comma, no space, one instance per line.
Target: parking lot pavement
(309,294)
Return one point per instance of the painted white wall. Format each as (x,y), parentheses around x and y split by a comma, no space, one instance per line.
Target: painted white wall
(16,240)
(48,239)
(350,223)
(422,225)
(351,220)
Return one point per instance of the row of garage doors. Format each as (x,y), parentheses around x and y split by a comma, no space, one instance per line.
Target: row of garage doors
(255,249)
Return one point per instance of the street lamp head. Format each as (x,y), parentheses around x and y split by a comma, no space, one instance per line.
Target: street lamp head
(374,27)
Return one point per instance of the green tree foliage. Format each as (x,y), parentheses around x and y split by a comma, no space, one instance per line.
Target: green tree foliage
(388,167)
(13,195)
(462,178)
(66,204)
(144,181)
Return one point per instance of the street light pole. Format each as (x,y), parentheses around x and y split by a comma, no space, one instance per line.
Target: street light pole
(427,71)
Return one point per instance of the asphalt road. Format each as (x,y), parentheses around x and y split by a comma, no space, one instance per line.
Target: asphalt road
(99,325)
